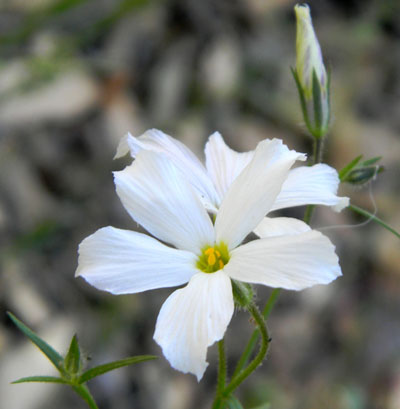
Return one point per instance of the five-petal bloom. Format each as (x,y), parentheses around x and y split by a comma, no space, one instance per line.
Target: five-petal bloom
(168,191)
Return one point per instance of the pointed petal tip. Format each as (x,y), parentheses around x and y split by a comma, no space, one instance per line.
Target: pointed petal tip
(342,204)
(123,146)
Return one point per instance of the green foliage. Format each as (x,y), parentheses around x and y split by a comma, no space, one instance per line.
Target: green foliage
(71,366)
(101,369)
(47,379)
(55,358)
(72,361)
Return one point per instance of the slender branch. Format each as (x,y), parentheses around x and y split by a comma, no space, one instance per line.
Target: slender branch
(84,393)
(376,219)
(222,369)
(317,158)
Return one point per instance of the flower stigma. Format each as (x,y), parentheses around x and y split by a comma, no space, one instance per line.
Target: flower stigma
(213,258)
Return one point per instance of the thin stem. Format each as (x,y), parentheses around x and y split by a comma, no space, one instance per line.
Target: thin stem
(253,339)
(222,369)
(308,213)
(317,149)
(84,393)
(376,219)
(259,320)
(317,158)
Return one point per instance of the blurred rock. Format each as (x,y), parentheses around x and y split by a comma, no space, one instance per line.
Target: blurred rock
(169,82)
(70,95)
(220,67)
(27,200)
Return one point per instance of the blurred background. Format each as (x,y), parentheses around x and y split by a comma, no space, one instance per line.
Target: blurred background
(76,75)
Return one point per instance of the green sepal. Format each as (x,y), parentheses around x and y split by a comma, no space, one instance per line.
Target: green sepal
(101,369)
(242,293)
(55,358)
(349,167)
(72,361)
(328,96)
(47,379)
(302,98)
(317,104)
(233,403)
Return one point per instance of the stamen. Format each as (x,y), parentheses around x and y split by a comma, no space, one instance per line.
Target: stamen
(211,259)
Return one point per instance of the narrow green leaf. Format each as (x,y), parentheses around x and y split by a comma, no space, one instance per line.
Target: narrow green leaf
(51,353)
(85,394)
(372,161)
(233,403)
(350,166)
(317,101)
(72,362)
(101,369)
(48,379)
(374,218)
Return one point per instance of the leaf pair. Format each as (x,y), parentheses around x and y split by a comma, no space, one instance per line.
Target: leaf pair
(71,367)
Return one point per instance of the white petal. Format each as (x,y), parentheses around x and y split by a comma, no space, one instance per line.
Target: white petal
(254,191)
(223,163)
(316,184)
(158,197)
(182,157)
(123,146)
(192,319)
(280,226)
(293,262)
(123,262)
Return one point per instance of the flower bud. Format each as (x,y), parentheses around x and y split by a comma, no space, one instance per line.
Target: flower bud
(308,52)
(310,74)
(363,175)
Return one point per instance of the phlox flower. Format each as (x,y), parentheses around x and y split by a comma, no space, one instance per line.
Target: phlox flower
(165,190)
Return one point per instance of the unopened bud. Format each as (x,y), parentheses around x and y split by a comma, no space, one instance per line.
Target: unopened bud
(310,74)
(363,175)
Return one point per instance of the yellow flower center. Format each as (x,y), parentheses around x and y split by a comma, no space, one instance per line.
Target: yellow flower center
(213,258)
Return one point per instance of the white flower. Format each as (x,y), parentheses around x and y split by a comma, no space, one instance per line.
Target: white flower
(156,193)
(304,185)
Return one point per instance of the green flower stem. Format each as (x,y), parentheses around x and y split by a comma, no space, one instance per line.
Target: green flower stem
(308,213)
(376,219)
(317,149)
(256,333)
(317,158)
(237,380)
(222,369)
(84,393)
(259,320)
